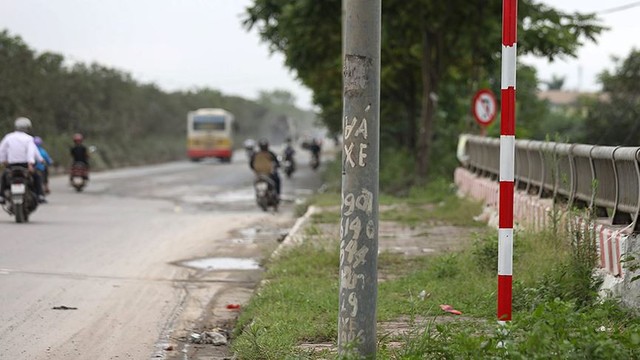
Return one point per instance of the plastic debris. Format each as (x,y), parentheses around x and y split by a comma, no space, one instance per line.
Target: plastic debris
(62,307)
(603,329)
(233,306)
(423,295)
(450,309)
(215,337)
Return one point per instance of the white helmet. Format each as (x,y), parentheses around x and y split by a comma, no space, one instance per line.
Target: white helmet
(22,123)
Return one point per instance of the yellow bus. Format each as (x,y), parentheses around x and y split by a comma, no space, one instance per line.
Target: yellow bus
(210,134)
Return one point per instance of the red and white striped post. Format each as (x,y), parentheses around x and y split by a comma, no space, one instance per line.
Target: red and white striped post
(507,155)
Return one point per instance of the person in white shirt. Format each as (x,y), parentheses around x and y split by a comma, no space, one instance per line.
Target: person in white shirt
(17,148)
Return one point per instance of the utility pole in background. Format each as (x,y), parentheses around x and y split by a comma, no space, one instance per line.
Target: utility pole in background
(360,168)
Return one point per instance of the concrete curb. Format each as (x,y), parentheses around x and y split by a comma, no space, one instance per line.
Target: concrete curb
(295,237)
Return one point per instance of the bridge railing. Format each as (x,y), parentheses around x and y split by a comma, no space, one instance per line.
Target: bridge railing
(604,178)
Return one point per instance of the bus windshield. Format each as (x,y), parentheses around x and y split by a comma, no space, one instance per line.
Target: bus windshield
(208,122)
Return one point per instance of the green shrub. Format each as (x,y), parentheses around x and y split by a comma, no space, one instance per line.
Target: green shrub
(446,266)
(397,172)
(485,251)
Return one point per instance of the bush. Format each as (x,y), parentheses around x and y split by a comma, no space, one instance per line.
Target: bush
(485,252)
(396,170)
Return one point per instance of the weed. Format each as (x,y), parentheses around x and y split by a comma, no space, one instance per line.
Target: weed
(396,170)
(446,266)
(312,230)
(301,208)
(555,329)
(485,252)
(557,314)
(569,278)
(632,265)
(436,191)
(326,217)
(452,211)
(252,340)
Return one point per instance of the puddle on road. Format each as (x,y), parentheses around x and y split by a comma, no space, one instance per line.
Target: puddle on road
(197,199)
(241,241)
(249,232)
(234,196)
(245,195)
(258,234)
(222,263)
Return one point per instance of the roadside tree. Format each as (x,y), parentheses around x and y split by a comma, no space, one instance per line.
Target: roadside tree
(613,119)
(427,45)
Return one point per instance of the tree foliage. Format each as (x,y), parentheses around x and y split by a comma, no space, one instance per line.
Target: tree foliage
(615,119)
(130,121)
(556,82)
(430,50)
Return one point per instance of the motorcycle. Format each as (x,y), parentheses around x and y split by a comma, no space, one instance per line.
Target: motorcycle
(20,198)
(315,161)
(249,151)
(287,160)
(289,166)
(249,148)
(79,175)
(266,194)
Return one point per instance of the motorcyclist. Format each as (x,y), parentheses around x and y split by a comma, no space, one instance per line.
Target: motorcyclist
(79,152)
(265,162)
(43,166)
(289,151)
(315,147)
(250,147)
(18,148)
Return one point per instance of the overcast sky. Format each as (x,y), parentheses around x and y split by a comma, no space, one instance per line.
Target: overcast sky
(178,44)
(623,35)
(182,44)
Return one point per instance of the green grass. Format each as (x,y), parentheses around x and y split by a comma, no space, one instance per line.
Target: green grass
(557,314)
(298,304)
(456,212)
(556,311)
(328,198)
(432,203)
(326,217)
(429,204)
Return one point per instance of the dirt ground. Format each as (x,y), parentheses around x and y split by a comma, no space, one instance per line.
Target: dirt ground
(394,237)
(397,238)
(209,313)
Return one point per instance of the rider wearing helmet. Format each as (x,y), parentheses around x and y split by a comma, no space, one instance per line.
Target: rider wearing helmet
(315,147)
(249,147)
(43,166)
(249,144)
(266,162)
(17,148)
(288,149)
(288,156)
(78,151)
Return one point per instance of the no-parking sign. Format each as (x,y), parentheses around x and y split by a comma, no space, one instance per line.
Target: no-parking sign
(484,107)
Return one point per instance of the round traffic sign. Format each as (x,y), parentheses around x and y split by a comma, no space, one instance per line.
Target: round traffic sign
(484,107)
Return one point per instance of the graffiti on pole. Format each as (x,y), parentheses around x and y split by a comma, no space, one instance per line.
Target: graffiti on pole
(357,228)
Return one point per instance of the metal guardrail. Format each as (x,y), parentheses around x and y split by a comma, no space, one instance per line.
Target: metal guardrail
(604,178)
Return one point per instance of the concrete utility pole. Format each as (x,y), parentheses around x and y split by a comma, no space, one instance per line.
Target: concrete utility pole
(360,167)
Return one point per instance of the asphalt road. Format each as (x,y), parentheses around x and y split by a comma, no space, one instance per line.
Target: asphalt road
(113,272)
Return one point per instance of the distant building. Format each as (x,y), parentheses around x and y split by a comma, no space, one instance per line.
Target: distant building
(570,102)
